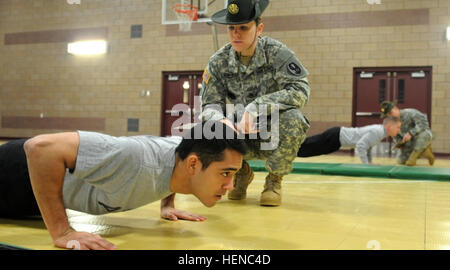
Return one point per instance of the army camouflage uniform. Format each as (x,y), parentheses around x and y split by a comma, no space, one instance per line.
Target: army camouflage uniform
(415,123)
(274,76)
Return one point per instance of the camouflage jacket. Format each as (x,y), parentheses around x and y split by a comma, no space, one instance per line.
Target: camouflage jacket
(273,76)
(413,122)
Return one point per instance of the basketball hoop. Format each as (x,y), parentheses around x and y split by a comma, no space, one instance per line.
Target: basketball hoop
(186,14)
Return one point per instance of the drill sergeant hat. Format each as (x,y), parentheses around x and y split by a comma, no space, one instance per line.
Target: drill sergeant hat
(386,107)
(240,11)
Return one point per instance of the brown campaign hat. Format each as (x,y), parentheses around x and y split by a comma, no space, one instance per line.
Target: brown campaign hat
(240,11)
(386,107)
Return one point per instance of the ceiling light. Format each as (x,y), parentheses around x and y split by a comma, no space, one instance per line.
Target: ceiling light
(88,47)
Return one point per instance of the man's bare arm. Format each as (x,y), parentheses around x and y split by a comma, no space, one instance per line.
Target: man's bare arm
(48,157)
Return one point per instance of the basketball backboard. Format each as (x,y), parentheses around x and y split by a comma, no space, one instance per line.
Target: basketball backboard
(206,8)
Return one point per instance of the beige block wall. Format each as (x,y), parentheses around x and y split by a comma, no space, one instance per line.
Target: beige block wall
(43,78)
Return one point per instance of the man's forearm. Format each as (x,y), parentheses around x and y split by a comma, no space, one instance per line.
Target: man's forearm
(53,212)
(47,162)
(364,158)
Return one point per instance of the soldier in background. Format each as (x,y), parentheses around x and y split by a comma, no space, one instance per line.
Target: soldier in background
(360,138)
(414,139)
(251,71)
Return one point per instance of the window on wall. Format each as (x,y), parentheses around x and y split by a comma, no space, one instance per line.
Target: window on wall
(381,91)
(401,91)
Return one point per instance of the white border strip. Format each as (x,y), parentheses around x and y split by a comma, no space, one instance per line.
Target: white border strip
(381,181)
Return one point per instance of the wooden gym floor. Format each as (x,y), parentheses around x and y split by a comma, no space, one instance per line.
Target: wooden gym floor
(318,212)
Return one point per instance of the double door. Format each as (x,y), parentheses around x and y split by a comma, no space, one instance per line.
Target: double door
(410,87)
(180,102)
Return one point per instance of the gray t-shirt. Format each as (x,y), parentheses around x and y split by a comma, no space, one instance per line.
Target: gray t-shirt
(363,139)
(114,174)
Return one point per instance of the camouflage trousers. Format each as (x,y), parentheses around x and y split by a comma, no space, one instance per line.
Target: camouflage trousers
(288,132)
(418,143)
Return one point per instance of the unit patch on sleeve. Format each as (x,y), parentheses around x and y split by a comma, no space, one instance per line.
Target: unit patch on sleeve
(294,69)
(206,76)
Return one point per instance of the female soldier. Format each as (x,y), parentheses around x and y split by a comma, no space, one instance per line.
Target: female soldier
(253,72)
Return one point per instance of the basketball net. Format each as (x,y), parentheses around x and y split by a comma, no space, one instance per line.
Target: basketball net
(186,14)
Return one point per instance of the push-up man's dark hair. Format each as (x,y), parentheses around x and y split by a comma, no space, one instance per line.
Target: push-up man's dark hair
(209,143)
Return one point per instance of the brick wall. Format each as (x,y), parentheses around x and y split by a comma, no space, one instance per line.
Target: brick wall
(330,38)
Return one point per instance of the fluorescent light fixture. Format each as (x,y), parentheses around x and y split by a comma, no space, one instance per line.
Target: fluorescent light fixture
(448,33)
(88,47)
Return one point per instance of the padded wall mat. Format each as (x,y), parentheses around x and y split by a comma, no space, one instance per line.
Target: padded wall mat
(364,170)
